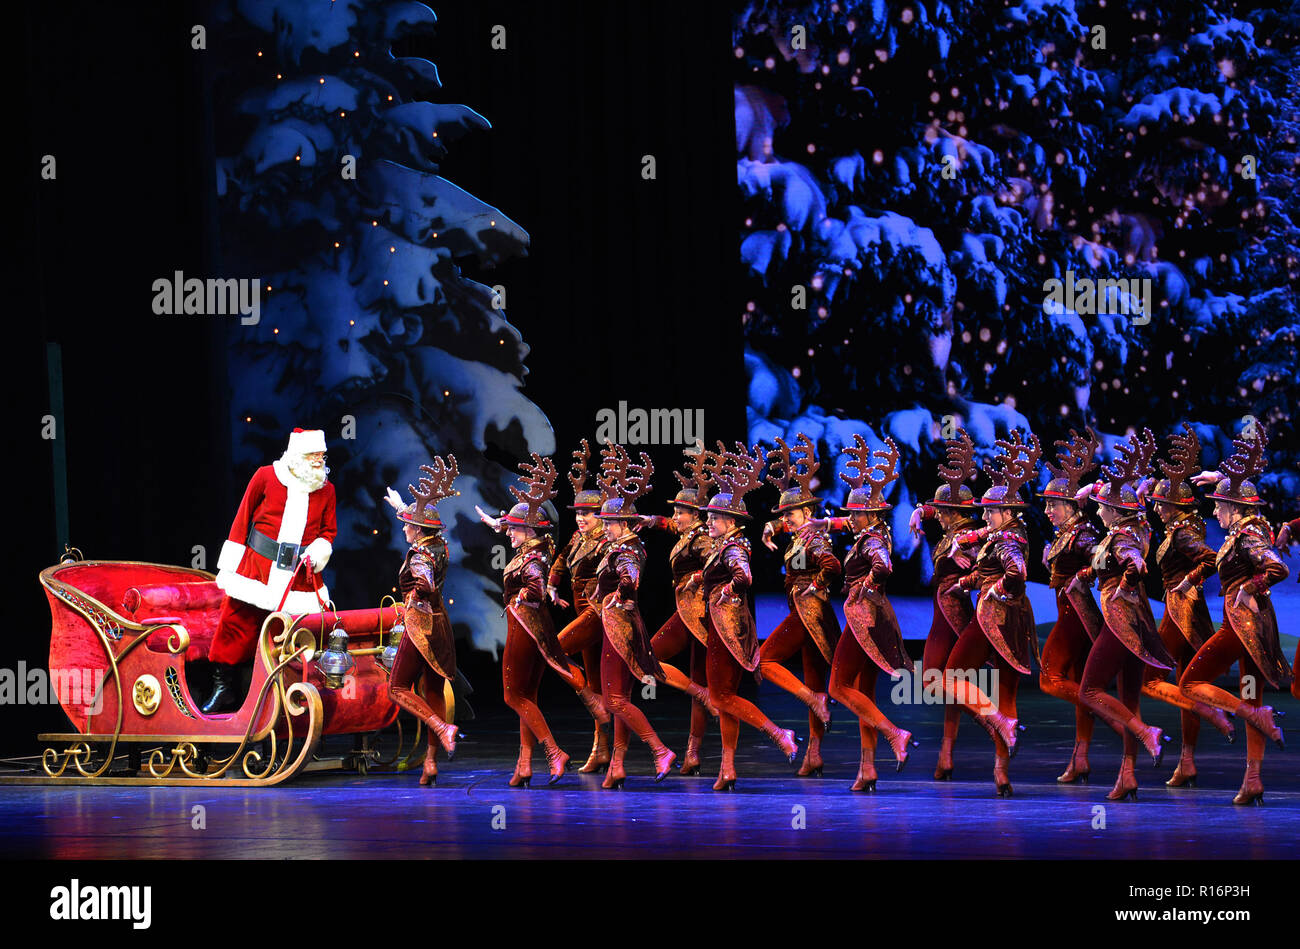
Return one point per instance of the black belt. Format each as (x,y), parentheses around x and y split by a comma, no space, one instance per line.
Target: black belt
(284,556)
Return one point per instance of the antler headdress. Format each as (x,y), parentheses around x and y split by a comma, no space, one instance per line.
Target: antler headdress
(792,471)
(539,478)
(1184,461)
(1075,458)
(876,476)
(1132,463)
(1014,467)
(737,474)
(584,498)
(1241,468)
(438,484)
(623,481)
(695,482)
(959,469)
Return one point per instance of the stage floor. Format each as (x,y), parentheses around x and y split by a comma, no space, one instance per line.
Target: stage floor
(770,814)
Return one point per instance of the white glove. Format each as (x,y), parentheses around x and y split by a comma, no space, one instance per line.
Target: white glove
(319,551)
(394,500)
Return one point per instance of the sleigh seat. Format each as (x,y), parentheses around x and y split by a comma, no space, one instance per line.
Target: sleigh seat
(196,605)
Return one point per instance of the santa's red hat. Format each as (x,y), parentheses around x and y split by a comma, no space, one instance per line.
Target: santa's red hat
(303,441)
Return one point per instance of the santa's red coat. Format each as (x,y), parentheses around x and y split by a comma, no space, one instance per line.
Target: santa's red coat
(280,508)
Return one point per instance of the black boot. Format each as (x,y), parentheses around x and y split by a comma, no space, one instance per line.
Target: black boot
(225,696)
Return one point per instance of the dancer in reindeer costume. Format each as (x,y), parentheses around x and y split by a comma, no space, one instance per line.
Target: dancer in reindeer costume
(875,643)
(726,579)
(626,657)
(428,649)
(576,563)
(1286,537)
(1185,563)
(1003,626)
(811,630)
(953,506)
(1248,567)
(685,629)
(531,643)
(1127,642)
(1066,650)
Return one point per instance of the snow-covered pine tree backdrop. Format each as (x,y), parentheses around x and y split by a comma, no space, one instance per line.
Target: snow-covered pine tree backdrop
(925,290)
(366,312)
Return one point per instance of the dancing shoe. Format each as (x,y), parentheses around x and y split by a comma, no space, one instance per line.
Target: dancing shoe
(664,759)
(943,770)
(429,774)
(1126,785)
(866,780)
(598,760)
(1000,776)
(785,740)
(1261,719)
(821,707)
(812,759)
(595,705)
(691,763)
(1252,789)
(615,776)
(1153,738)
(447,734)
(1185,772)
(523,770)
(1001,726)
(556,760)
(1220,720)
(899,741)
(701,694)
(727,773)
(1077,769)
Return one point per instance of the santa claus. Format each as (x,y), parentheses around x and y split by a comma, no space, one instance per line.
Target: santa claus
(285,518)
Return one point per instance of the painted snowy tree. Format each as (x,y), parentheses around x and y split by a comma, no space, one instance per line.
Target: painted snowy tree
(329,148)
(914,173)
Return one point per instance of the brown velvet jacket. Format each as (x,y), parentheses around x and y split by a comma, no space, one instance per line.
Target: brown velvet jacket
(1118,564)
(577,563)
(1071,550)
(688,554)
(1003,609)
(526,573)
(1248,561)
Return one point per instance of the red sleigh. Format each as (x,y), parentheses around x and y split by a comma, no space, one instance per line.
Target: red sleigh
(124,631)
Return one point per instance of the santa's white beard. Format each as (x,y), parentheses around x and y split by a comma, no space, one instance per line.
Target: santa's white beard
(310,478)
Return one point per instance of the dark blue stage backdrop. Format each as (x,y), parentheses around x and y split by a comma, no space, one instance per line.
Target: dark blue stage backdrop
(328,154)
(916,174)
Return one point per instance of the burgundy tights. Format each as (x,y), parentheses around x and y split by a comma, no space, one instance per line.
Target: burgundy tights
(1064,654)
(938,645)
(408,668)
(583,635)
(1111,661)
(853,684)
(968,656)
(522,666)
(788,638)
(618,683)
(1212,660)
(672,638)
